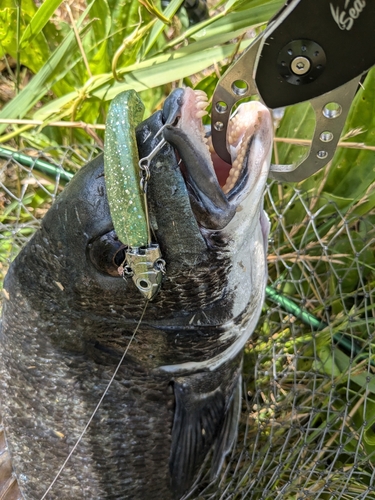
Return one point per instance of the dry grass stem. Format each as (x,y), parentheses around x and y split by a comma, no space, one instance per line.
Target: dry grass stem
(341,144)
(74,26)
(60,123)
(293,257)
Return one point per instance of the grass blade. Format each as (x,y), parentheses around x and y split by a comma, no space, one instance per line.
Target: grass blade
(39,20)
(42,82)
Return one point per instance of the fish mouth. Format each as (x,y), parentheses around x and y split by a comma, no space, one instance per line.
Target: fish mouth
(196,201)
(217,189)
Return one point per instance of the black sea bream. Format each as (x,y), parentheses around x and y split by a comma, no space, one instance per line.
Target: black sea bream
(69,316)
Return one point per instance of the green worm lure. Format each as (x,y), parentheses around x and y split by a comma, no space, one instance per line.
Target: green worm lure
(127,201)
(122,173)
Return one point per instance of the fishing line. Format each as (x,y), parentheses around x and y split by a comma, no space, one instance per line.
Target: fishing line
(97,406)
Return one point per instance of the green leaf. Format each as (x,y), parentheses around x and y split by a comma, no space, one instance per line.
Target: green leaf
(125,18)
(148,74)
(97,43)
(37,51)
(42,82)
(244,19)
(159,26)
(367,204)
(325,362)
(38,21)
(352,170)
(358,375)
(241,4)
(298,122)
(28,7)
(7,28)
(151,98)
(369,434)
(230,25)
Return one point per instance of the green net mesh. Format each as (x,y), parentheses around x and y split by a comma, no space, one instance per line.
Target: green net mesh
(307,428)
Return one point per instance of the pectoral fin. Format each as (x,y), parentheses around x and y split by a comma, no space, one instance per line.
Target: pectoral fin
(228,432)
(205,417)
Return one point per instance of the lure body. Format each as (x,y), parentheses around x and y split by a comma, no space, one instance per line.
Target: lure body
(122,173)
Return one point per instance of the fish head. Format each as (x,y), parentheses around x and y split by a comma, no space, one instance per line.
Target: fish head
(206,216)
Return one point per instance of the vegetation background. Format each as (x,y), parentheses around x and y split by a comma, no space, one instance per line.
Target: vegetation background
(309,370)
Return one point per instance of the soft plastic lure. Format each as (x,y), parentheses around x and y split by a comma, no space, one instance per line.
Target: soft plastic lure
(127,200)
(122,173)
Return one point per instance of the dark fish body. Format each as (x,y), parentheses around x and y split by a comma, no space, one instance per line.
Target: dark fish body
(69,317)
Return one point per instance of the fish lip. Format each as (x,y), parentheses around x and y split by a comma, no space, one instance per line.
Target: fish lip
(104,231)
(214,205)
(173,223)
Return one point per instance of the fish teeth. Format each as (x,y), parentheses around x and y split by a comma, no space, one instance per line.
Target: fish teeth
(200,114)
(241,127)
(200,97)
(201,93)
(234,173)
(228,187)
(201,104)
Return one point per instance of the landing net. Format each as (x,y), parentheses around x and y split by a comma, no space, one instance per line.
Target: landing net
(307,426)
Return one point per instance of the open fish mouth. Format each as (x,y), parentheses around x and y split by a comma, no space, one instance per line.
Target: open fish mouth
(216,189)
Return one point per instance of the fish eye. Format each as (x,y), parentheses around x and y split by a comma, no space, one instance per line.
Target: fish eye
(107,253)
